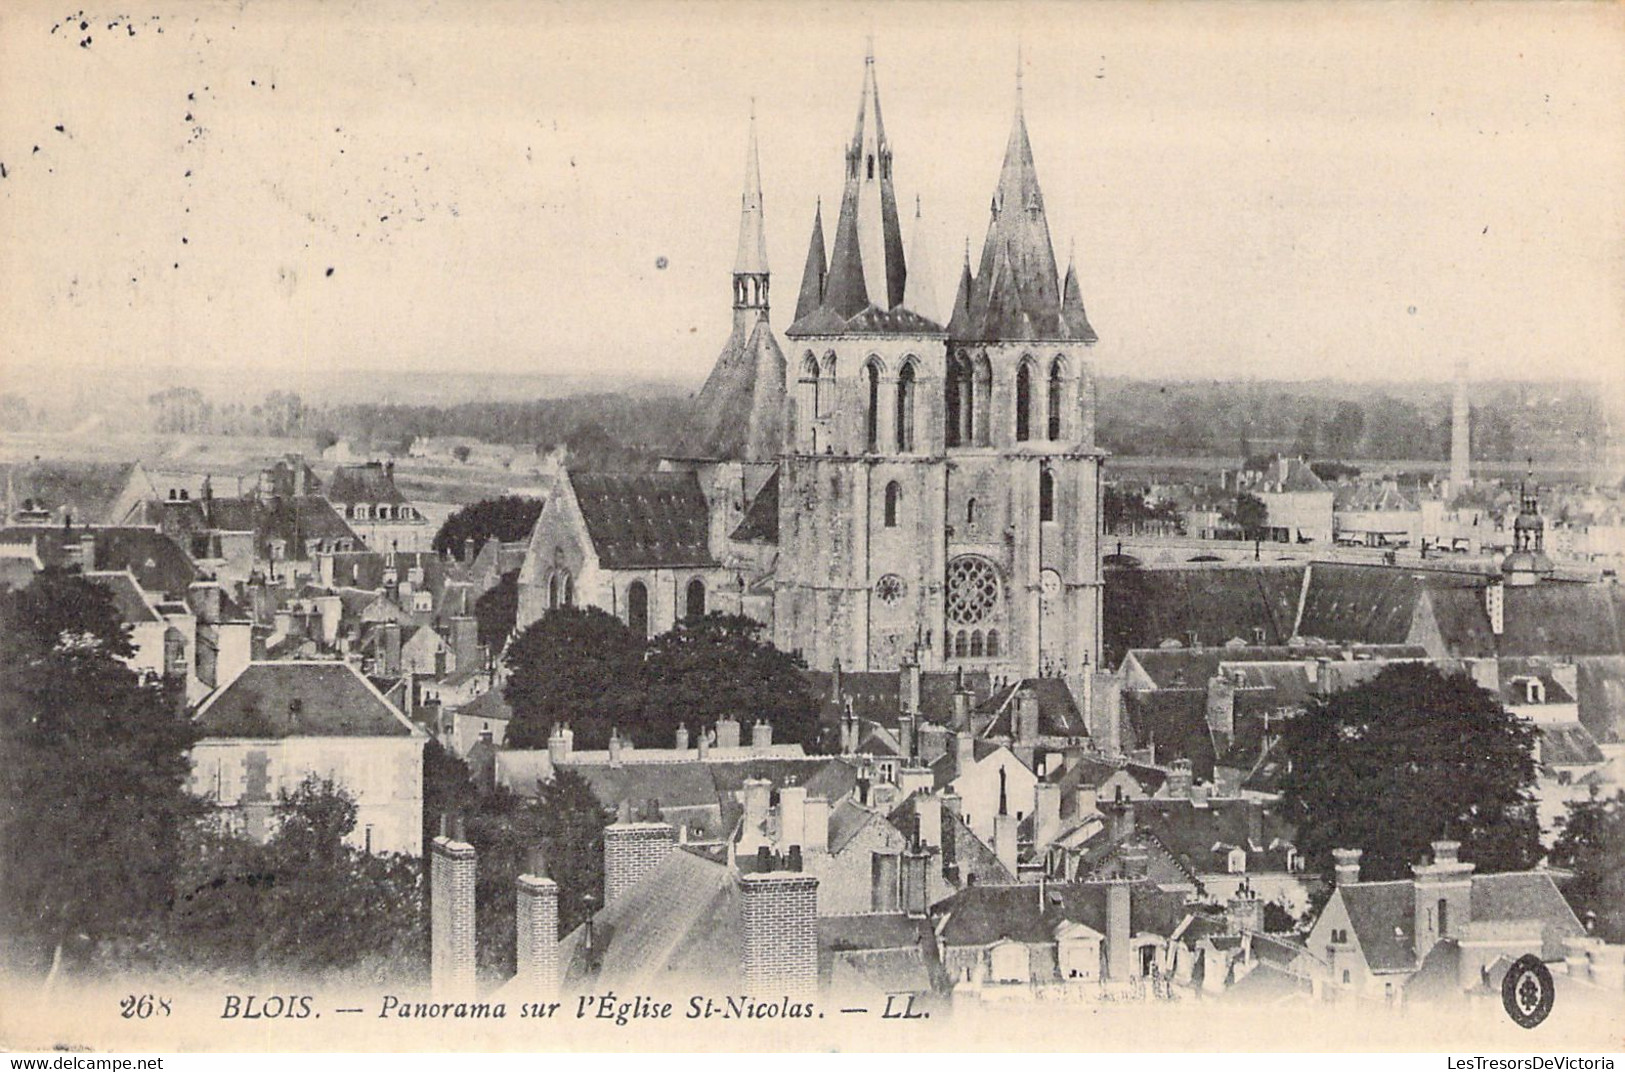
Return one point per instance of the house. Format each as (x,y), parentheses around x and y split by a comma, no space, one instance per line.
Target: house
(1377,514)
(367,498)
(1374,937)
(1298,503)
(276,723)
(56,492)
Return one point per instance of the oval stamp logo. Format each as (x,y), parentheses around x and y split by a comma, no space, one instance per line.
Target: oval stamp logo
(1527,991)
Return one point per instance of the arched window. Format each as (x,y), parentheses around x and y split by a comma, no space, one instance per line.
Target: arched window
(552,590)
(905,408)
(976,643)
(637,609)
(970,512)
(871,413)
(810,403)
(569,595)
(1046,496)
(992,642)
(826,385)
(695,603)
(1057,387)
(981,401)
(960,646)
(894,498)
(1024,402)
(960,399)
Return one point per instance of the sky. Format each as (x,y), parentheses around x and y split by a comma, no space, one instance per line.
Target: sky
(1359,191)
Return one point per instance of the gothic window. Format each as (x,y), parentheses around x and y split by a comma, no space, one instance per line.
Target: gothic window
(569,594)
(826,386)
(1057,387)
(982,400)
(976,643)
(905,408)
(890,589)
(894,498)
(871,412)
(637,609)
(992,643)
(552,590)
(960,646)
(959,392)
(1046,496)
(970,512)
(973,590)
(1024,402)
(695,603)
(811,405)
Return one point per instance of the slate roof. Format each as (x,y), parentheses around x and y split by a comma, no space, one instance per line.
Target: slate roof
(305,518)
(877,953)
(1602,696)
(982,914)
(132,604)
(1557,618)
(365,569)
(1058,714)
(1144,608)
(87,490)
(1382,915)
(1201,837)
(1515,895)
(300,699)
(1370,604)
(1372,497)
(761,521)
(159,564)
(645,520)
(739,413)
(1174,722)
(675,785)
(1568,744)
(489,705)
(368,483)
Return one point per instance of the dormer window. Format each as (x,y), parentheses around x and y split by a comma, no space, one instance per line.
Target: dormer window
(1237,861)
(390,577)
(422,601)
(1534,690)
(363,511)
(415,574)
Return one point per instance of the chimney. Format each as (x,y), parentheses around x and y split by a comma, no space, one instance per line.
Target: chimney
(614,747)
(1221,708)
(536,918)
(928,806)
(392,648)
(1046,814)
(87,551)
(1347,868)
(1088,800)
(1443,898)
(451,923)
(1244,912)
(1495,605)
(728,732)
(915,892)
(559,741)
(297,461)
(908,691)
(1135,861)
(1122,819)
(757,793)
(885,879)
(704,745)
(849,729)
(964,751)
(780,949)
(468,548)
(1105,713)
(465,642)
(1119,954)
(962,707)
(761,735)
(932,742)
(905,735)
(1005,845)
(681,743)
(951,807)
(815,824)
(1323,676)
(1026,716)
(793,816)
(1179,779)
(631,851)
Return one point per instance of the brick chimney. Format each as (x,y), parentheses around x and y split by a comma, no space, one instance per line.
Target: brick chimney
(815,832)
(452,871)
(916,863)
(885,881)
(1119,953)
(1179,779)
(780,951)
(631,851)
(537,930)
(761,735)
(793,817)
(728,732)
(1347,869)
(1244,912)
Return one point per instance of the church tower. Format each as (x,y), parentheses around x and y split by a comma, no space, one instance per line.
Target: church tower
(941,490)
(739,413)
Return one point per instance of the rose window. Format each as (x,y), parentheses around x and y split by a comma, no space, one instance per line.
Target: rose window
(890,589)
(973,590)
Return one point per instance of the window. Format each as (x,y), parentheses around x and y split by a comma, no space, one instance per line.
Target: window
(552,591)
(905,408)
(637,608)
(958,392)
(992,643)
(1345,976)
(568,596)
(890,589)
(970,512)
(894,498)
(974,590)
(422,601)
(981,400)
(1024,401)
(871,415)
(694,604)
(961,644)
(1046,496)
(871,165)
(1057,386)
(826,385)
(976,643)
(1444,918)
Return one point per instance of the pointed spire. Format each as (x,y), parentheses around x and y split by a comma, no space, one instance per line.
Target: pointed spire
(920,294)
(866,266)
(959,320)
(814,274)
(1073,317)
(752,257)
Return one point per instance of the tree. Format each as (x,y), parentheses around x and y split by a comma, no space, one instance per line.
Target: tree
(508,518)
(497,611)
(1411,756)
(718,665)
(1592,845)
(278,907)
(1307,445)
(572,838)
(93,787)
(1345,429)
(577,665)
(1247,513)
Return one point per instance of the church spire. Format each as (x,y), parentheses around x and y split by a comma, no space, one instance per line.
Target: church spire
(866,267)
(920,293)
(750,263)
(813,275)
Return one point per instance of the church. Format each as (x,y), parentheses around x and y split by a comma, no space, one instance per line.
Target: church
(881,486)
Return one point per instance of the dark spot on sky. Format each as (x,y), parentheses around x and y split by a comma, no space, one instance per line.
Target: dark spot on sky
(188,175)
(383,219)
(59,129)
(184,241)
(252,82)
(661,262)
(85,43)
(36,148)
(3,172)
(84,25)
(330,271)
(190,97)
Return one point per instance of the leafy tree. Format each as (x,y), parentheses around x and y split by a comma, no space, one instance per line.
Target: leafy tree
(1334,471)
(508,518)
(577,665)
(572,839)
(93,786)
(503,829)
(278,907)
(1307,445)
(1345,429)
(1406,758)
(1592,845)
(719,665)
(497,611)
(1247,513)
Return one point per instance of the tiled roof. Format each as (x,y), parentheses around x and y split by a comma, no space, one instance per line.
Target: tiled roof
(369,483)
(645,519)
(846,819)
(1558,618)
(1144,608)
(87,490)
(160,566)
(738,414)
(1382,915)
(300,699)
(982,914)
(1520,895)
